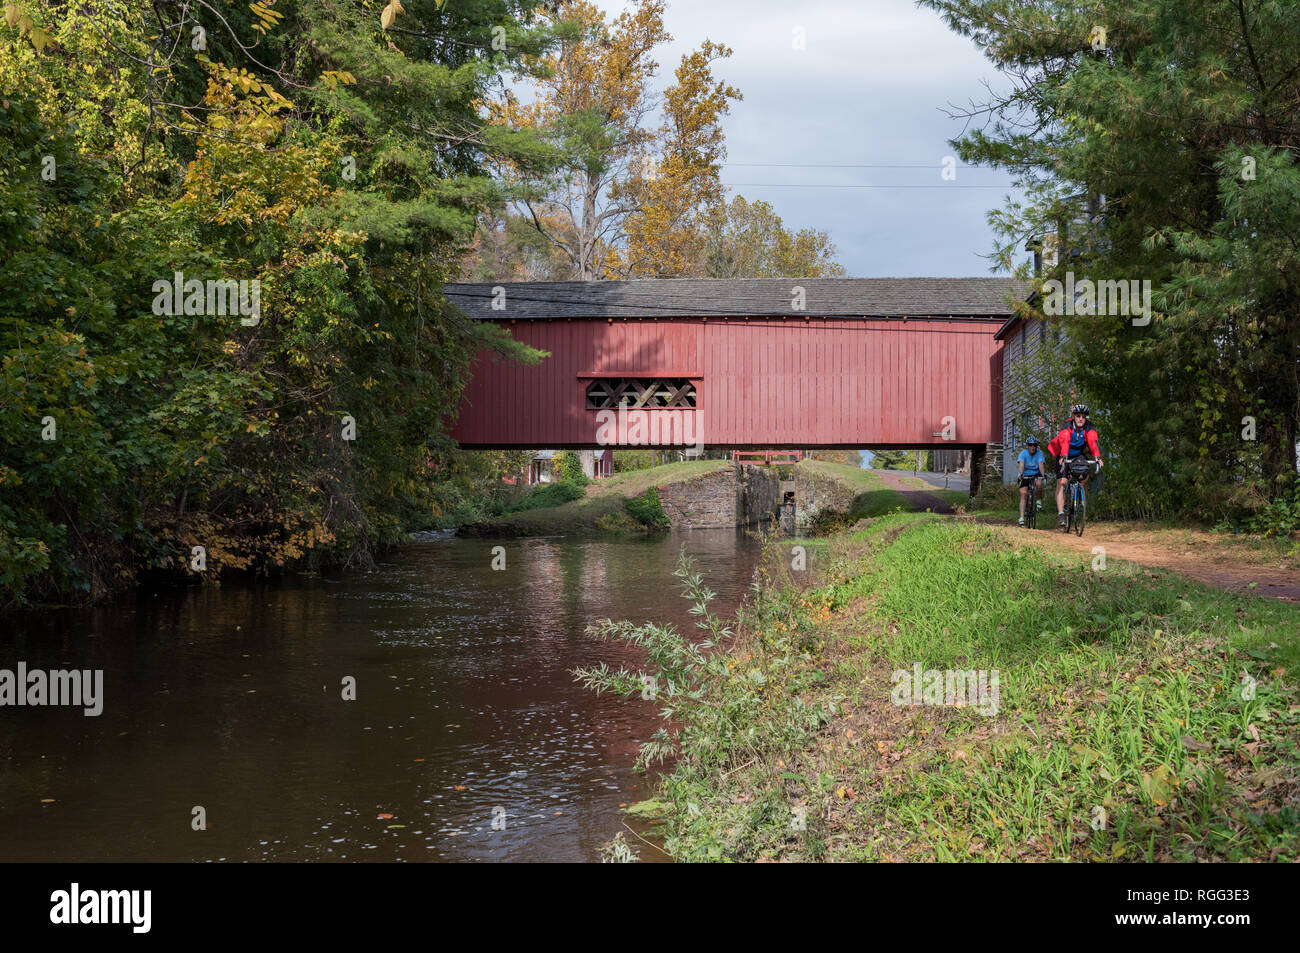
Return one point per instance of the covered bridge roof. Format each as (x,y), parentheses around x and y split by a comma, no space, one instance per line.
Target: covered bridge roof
(985,298)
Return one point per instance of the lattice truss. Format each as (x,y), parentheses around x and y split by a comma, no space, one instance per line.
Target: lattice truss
(641,393)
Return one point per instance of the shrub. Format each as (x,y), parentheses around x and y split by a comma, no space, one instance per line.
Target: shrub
(1279,518)
(571,469)
(549,494)
(994,494)
(625,460)
(647,510)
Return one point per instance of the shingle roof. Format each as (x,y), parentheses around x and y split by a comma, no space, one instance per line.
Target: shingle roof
(687,297)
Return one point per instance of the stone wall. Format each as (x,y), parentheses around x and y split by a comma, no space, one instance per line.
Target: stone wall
(986,467)
(723,498)
(815,494)
(760,494)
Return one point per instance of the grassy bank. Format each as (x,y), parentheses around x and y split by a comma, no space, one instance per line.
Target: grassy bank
(1137,718)
(601,508)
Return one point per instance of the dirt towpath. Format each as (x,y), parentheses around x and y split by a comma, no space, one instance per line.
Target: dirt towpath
(1202,556)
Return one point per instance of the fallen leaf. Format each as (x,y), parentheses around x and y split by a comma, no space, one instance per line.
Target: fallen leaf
(1158,784)
(1191,744)
(384,817)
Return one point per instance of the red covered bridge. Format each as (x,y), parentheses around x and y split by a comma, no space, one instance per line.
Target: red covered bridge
(858,363)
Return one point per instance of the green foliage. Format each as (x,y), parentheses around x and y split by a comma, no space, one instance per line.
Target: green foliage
(747,239)
(679,669)
(1281,517)
(548,494)
(716,707)
(571,468)
(1159,155)
(1003,497)
(894,460)
(618,851)
(647,510)
(341,168)
(625,460)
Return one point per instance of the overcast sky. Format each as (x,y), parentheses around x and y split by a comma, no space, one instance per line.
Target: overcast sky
(868,89)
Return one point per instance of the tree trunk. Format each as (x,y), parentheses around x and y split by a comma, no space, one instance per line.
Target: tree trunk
(587,233)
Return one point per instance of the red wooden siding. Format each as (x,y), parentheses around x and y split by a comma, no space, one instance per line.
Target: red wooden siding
(762,382)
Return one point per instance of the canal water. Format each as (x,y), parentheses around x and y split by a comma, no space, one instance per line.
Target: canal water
(230,699)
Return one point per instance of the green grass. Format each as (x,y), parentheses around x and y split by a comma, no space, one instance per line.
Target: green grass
(1124,730)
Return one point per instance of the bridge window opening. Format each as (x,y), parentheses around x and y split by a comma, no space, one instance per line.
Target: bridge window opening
(643,393)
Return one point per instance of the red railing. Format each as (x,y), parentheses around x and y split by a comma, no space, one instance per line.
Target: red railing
(767,457)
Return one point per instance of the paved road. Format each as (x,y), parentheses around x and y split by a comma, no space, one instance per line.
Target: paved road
(956,481)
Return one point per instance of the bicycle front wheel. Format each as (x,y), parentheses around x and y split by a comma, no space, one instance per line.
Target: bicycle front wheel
(1079,509)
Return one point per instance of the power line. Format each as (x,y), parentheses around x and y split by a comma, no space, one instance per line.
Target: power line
(824,185)
(825,165)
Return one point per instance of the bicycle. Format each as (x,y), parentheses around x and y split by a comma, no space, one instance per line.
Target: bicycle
(1075,498)
(1033,504)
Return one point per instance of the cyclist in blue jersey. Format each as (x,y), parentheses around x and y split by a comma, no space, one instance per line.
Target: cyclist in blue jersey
(1031,463)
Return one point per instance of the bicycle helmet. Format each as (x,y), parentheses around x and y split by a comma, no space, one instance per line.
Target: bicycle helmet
(1031,442)
(1079,409)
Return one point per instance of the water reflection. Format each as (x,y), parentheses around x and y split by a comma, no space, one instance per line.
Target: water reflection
(230,699)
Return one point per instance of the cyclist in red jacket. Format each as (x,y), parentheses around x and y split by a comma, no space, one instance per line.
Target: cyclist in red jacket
(1076,440)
